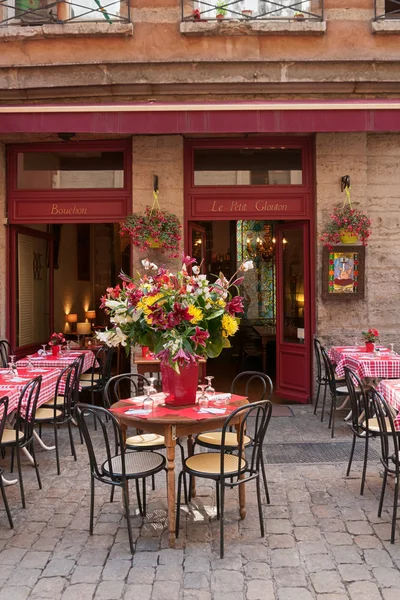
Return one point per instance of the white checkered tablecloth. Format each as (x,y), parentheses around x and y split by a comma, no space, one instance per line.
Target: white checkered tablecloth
(386,366)
(338,353)
(60,362)
(13,397)
(390,390)
(47,390)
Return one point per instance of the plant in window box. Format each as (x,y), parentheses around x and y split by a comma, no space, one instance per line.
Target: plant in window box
(220,9)
(156,228)
(347,225)
(196,15)
(247,13)
(298,16)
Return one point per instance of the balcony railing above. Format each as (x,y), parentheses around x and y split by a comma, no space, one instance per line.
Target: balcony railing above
(260,10)
(387,9)
(47,12)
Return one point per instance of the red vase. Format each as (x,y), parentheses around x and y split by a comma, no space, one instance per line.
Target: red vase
(55,350)
(180,387)
(369,346)
(145,351)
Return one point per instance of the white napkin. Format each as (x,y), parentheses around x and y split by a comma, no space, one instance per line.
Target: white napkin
(137,411)
(42,352)
(19,379)
(158,396)
(221,397)
(213,411)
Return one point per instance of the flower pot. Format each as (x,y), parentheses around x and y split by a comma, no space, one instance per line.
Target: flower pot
(145,351)
(154,243)
(369,346)
(347,237)
(247,13)
(220,17)
(55,350)
(299,17)
(180,387)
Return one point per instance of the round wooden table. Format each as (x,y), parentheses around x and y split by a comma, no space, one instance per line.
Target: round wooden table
(178,423)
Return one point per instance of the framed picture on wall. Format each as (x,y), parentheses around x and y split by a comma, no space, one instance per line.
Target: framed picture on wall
(83,251)
(343,271)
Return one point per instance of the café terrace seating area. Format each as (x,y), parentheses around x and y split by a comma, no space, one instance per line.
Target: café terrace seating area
(259,500)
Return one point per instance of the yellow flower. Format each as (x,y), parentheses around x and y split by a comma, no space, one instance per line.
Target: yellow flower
(147,301)
(149,320)
(229,325)
(196,313)
(221,303)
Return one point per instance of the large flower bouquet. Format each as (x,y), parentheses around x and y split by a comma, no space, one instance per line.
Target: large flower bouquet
(346,219)
(181,317)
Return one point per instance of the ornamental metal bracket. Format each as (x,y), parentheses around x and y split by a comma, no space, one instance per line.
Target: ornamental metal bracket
(345,182)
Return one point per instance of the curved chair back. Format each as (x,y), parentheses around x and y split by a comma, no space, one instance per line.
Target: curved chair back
(104,449)
(27,405)
(329,371)
(128,384)
(67,386)
(5,352)
(261,413)
(388,435)
(321,378)
(359,402)
(104,359)
(3,414)
(257,383)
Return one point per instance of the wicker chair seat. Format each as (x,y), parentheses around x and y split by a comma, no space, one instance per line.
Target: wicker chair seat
(145,440)
(136,463)
(213,438)
(210,463)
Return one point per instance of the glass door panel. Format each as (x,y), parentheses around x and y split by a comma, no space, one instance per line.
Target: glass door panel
(197,240)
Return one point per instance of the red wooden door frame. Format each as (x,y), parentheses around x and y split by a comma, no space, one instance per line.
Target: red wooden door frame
(305,191)
(13,231)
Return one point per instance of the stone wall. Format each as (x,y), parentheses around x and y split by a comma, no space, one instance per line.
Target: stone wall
(372,163)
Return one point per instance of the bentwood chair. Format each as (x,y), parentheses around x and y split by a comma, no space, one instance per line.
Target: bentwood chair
(58,411)
(94,381)
(21,437)
(390,456)
(336,392)
(3,417)
(257,387)
(322,378)
(114,466)
(228,469)
(362,424)
(5,353)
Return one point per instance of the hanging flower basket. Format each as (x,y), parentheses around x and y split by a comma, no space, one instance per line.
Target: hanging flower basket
(156,228)
(347,225)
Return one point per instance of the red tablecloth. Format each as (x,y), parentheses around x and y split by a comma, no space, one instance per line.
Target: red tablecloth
(390,390)
(12,388)
(366,364)
(338,353)
(60,362)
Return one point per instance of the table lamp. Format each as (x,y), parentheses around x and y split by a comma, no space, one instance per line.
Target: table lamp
(91,316)
(72,318)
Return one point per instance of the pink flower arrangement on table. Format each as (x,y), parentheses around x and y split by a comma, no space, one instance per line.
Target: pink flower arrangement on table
(179,316)
(57,339)
(372,335)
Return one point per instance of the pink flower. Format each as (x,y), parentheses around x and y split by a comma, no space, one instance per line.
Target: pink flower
(199,337)
(235,306)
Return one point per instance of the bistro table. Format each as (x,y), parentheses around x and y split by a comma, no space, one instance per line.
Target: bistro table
(12,388)
(266,333)
(390,390)
(173,423)
(61,361)
(366,365)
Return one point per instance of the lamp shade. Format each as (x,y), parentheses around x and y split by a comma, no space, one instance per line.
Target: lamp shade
(83,328)
(90,314)
(72,318)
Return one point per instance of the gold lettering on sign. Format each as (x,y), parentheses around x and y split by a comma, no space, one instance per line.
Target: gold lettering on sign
(238,206)
(66,211)
(217,208)
(264,206)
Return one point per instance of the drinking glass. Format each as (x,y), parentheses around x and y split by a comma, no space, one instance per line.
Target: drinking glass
(44,349)
(148,402)
(203,399)
(210,391)
(30,366)
(391,348)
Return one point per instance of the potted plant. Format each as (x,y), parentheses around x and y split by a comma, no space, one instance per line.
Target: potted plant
(371,337)
(220,9)
(347,226)
(181,317)
(55,342)
(156,228)
(247,13)
(298,16)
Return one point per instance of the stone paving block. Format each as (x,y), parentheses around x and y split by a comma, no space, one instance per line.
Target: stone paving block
(359,527)
(197,563)
(294,594)
(312,548)
(196,581)
(390,594)
(326,582)
(226,581)
(108,590)
(141,575)
(26,577)
(307,534)
(14,593)
(170,556)
(48,587)
(12,556)
(228,596)
(289,577)
(281,541)
(387,577)
(133,592)
(58,567)
(229,563)
(254,552)
(116,569)
(367,541)
(81,591)
(260,590)
(145,559)
(86,575)
(285,558)
(257,570)
(319,562)
(165,589)
(383,530)
(365,590)
(378,558)
(196,595)
(95,558)
(278,526)
(35,560)
(339,539)
(354,573)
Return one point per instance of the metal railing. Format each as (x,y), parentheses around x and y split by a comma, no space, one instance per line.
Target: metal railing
(47,12)
(386,9)
(266,10)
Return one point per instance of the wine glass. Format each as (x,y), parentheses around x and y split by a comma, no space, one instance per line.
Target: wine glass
(148,402)
(44,349)
(203,399)
(30,366)
(210,391)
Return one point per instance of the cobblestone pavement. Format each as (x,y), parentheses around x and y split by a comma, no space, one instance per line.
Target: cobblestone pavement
(323,540)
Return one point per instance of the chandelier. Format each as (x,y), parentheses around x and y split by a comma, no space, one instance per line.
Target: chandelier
(261,244)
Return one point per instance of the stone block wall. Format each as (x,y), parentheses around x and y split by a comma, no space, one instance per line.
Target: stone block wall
(372,163)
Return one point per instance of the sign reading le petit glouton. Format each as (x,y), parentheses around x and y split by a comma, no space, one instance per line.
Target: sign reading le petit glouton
(237,206)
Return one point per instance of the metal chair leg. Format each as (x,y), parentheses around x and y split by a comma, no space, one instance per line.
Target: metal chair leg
(317,398)
(36,466)
(383,490)
(91,504)
(21,483)
(351,454)
(125,493)
(5,501)
(260,512)
(264,476)
(364,472)
(217,498)
(323,404)
(139,501)
(395,500)
(221,520)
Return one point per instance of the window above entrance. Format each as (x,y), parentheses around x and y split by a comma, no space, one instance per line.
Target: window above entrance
(247,166)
